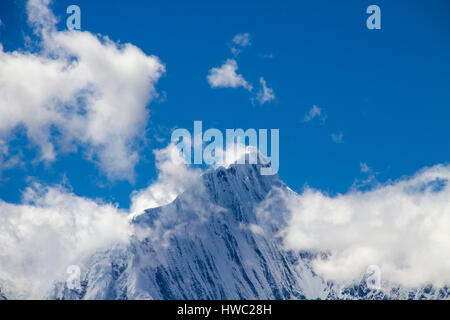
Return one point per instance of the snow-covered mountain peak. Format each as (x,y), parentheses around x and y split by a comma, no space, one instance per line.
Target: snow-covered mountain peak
(231,187)
(210,243)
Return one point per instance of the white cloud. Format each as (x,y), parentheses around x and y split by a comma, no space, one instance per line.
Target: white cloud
(90,90)
(41,17)
(226,77)
(173,178)
(314,112)
(242,39)
(51,230)
(268,56)
(235,51)
(264,94)
(7,159)
(337,137)
(402,226)
(364,167)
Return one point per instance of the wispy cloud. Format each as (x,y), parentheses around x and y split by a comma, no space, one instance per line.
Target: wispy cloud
(264,94)
(235,51)
(268,56)
(313,113)
(364,167)
(242,39)
(173,178)
(239,41)
(337,137)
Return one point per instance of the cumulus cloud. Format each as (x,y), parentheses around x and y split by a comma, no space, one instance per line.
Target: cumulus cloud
(225,76)
(80,89)
(314,112)
(50,230)
(401,226)
(264,94)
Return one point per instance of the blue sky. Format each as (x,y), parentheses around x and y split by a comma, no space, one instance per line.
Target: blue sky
(387,91)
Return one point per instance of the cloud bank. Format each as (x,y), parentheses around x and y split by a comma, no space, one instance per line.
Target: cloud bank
(401,226)
(50,230)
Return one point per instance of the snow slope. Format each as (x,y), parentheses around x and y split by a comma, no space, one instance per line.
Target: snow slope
(211,244)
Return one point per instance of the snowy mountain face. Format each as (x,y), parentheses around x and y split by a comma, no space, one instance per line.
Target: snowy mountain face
(211,244)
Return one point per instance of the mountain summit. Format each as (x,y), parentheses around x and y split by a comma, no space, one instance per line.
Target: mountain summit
(210,243)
